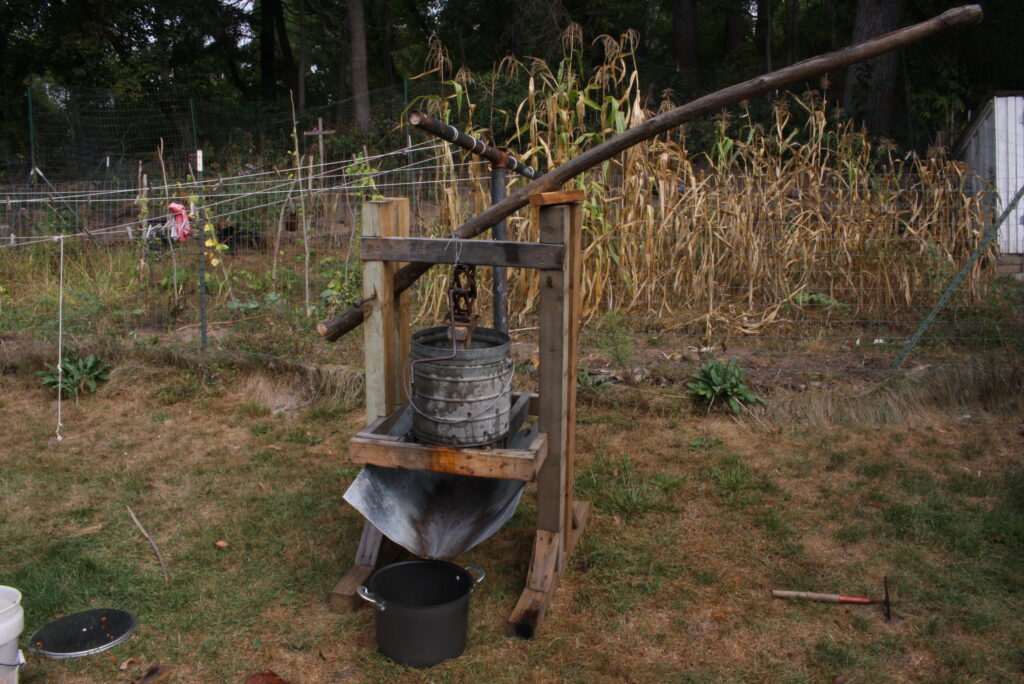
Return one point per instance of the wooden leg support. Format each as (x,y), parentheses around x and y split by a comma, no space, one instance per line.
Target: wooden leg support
(343,597)
(546,569)
(541,584)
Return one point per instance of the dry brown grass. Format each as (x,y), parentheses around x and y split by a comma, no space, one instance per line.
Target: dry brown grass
(720,242)
(963,387)
(675,591)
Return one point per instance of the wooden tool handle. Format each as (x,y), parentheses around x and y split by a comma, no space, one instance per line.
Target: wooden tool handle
(809,595)
(827,598)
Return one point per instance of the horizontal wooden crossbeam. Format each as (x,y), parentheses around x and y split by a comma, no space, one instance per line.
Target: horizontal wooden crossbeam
(505,464)
(455,251)
(543,199)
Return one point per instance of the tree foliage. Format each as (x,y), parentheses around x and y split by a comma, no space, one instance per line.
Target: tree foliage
(254,50)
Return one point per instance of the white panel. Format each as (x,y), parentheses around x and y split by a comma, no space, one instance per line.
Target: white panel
(1009,168)
(1016,169)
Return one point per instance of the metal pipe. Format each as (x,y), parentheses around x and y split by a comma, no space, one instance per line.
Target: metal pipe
(471,144)
(499,277)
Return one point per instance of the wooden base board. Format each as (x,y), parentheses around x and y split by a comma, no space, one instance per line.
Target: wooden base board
(343,596)
(528,613)
(546,568)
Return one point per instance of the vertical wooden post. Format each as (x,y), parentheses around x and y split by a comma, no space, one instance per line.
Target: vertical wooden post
(554,311)
(576,512)
(386,328)
(403,322)
(558,525)
(385,350)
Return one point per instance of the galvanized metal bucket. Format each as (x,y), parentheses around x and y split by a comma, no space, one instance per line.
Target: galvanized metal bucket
(461,398)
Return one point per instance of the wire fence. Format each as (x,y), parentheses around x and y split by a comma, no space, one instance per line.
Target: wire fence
(98,135)
(279,251)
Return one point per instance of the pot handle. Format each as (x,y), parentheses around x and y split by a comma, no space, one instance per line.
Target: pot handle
(479,572)
(365,594)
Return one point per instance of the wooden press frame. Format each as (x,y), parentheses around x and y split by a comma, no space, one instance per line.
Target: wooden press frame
(545,456)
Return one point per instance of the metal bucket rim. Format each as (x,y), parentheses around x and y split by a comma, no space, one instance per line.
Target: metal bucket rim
(497,341)
(421,562)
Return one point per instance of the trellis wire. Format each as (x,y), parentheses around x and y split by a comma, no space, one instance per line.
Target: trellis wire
(772,342)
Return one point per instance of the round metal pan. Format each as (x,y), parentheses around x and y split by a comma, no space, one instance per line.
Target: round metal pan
(85,633)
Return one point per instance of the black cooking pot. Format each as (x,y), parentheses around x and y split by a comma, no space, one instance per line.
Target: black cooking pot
(423,609)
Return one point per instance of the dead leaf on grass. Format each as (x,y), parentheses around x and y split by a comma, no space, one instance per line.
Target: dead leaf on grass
(156,674)
(266,677)
(126,664)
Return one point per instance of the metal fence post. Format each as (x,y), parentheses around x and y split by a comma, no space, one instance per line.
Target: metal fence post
(986,240)
(202,230)
(31,132)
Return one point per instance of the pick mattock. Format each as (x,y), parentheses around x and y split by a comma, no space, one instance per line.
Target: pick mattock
(839,598)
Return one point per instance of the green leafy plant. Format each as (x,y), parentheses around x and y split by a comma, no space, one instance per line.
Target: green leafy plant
(176,276)
(614,340)
(589,382)
(362,174)
(344,282)
(715,381)
(76,375)
(270,300)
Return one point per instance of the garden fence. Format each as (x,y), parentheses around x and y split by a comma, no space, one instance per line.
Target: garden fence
(280,251)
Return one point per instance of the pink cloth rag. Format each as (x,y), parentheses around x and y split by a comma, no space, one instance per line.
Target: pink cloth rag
(181,225)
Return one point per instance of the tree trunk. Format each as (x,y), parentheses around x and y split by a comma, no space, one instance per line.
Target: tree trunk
(793,30)
(301,76)
(360,84)
(763,32)
(684,34)
(268,67)
(343,90)
(286,47)
(870,93)
(734,22)
(386,43)
(830,18)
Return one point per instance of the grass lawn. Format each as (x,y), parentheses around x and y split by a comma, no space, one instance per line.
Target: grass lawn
(697,517)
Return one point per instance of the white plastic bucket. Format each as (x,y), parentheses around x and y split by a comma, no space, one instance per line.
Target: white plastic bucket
(12,622)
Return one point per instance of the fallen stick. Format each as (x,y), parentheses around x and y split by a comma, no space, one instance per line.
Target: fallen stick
(156,549)
(333,328)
